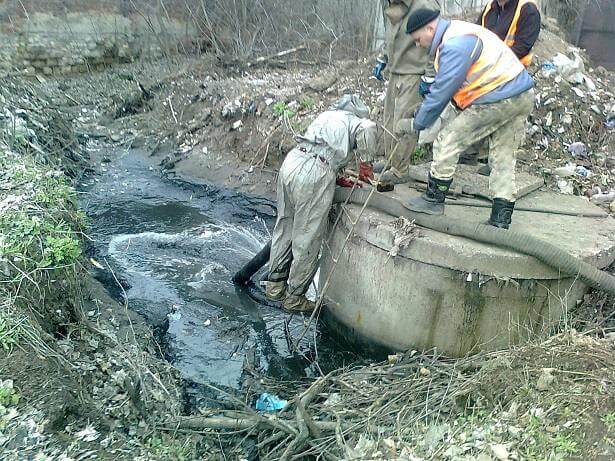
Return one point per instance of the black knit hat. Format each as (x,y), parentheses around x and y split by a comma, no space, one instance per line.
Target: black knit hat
(420,18)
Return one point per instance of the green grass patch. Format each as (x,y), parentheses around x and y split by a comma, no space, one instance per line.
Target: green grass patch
(281,109)
(307,103)
(40,227)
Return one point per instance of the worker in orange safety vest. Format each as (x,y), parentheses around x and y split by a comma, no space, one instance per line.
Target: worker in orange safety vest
(493,95)
(516,22)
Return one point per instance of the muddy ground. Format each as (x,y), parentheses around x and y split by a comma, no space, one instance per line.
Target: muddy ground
(98,387)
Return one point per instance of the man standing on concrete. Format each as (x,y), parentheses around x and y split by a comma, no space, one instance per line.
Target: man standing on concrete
(494,94)
(305,189)
(406,64)
(516,22)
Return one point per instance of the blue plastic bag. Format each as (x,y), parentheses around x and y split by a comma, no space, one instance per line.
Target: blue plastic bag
(270,402)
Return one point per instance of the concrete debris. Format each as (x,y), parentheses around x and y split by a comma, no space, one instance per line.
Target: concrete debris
(322,82)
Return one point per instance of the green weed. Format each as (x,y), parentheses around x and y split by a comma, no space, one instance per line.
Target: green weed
(418,155)
(42,229)
(609,421)
(9,336)
(169,449)
(307,103)
(8,396)
(281,109)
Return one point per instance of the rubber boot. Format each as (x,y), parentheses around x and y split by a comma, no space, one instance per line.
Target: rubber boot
(501,213)
(468,158)
(484,170)
(432,201)
(295,304)
(276,291)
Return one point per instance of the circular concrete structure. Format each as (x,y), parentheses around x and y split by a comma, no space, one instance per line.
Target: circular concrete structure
(452,293)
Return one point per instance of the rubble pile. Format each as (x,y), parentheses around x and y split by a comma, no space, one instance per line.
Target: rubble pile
(571,136)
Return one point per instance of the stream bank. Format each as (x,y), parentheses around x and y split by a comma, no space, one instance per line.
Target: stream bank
(105,403)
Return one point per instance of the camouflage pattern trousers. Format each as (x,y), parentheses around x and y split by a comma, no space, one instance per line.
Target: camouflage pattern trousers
(502,125)
(401,100)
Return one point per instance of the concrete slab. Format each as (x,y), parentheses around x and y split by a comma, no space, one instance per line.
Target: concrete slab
(467,180)
(592,239)
(454,294)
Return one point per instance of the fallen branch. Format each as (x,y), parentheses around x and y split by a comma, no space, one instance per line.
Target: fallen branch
(263,59)
(247,421)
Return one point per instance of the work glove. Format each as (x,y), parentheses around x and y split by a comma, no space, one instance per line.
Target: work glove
(425,85)
(366,172)
(378,68)
(345,182)
(404,126)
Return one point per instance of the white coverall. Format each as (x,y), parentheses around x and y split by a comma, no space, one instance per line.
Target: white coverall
(306,184)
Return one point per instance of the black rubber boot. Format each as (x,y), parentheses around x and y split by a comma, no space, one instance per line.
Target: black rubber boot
(501,213)
(484,170)
(432,201)
(468,159)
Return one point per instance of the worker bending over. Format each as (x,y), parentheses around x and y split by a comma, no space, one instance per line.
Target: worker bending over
(306,184)
(494,94)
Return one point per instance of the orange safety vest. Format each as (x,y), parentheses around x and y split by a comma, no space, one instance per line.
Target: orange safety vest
(512,30)
(496,65)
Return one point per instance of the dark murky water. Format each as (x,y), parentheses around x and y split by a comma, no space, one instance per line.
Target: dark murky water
(176,246)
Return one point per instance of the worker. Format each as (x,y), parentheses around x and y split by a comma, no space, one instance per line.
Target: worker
(406,65)
(494,95)
(516,22)
(305,188)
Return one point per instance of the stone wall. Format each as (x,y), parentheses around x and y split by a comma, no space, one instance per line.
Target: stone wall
(82,42)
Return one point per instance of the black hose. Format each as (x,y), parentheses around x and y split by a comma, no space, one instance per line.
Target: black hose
(583,214)
(517,241)
(243,275)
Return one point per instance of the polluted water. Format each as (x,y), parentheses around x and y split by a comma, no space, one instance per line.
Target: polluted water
(174,247)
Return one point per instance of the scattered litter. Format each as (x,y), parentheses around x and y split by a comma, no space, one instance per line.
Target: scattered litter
(548,69)
(582,171)
(238,124)
(603,198)
(270,402)
(578,149)
(565,187)
(174,315)
(96,264)
(89,434)
(570,69)
(499,451)
(564,171)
